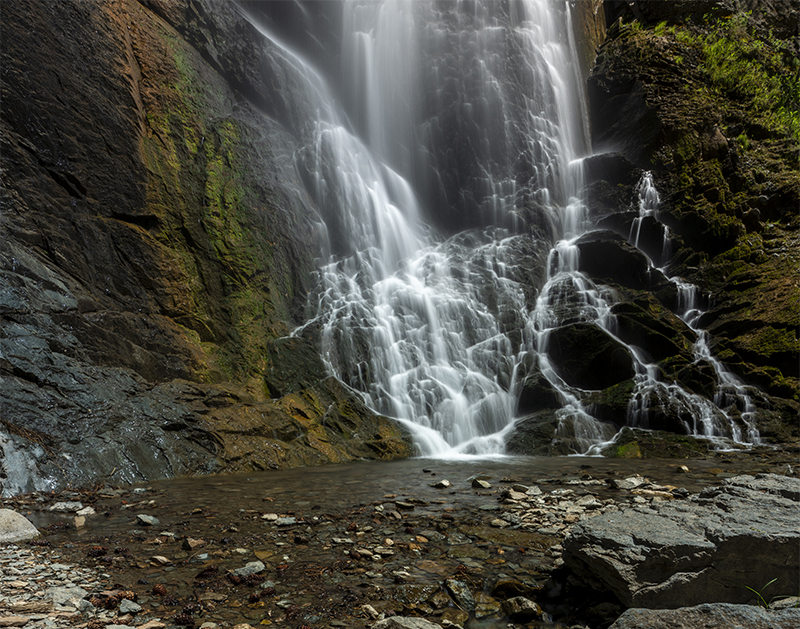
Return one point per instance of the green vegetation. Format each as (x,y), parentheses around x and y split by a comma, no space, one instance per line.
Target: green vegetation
(760,73)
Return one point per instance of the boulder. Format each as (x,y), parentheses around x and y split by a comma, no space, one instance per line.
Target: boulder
(536,394)
(668,555)
(15,527)
(709,616)
(610,257)
(588,358)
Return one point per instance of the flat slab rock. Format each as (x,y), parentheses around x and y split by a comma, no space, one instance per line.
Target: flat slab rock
(709,616)
(709,548)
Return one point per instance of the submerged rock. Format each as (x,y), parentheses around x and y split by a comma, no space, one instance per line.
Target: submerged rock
(668,555)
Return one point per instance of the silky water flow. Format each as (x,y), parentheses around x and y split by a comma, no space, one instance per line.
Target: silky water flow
(474,107)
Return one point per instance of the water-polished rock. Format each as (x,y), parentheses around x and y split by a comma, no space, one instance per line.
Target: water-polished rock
(709,616)
(402,622)
(521,609)
(670,555)
(15,527)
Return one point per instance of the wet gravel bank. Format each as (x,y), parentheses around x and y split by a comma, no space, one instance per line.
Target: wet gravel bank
(273,550)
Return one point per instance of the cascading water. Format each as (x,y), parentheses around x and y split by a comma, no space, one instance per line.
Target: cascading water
(426,336)
(467,115)
(710,420)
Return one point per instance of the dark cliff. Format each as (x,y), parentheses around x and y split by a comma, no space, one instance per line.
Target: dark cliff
(155,246)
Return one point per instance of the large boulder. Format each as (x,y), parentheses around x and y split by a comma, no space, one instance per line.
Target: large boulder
(709,616)
(588,358)
(670,555)
(610,257)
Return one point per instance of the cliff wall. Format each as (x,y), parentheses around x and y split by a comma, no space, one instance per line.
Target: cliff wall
(155,247)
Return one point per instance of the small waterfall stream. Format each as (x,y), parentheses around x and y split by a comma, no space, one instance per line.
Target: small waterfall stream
(449,183)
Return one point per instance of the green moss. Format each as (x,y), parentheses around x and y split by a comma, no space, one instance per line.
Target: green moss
(627,451)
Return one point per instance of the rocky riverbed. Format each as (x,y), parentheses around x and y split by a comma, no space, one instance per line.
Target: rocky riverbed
(476,550)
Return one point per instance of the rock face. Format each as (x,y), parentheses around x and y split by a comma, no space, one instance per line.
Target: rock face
(154,246)
(685,553)
(664,98)
(715,616)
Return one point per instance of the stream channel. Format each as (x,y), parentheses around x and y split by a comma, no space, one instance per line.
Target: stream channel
(337,538)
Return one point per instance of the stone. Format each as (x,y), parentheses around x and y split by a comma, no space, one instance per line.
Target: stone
(192,544)
(62,595)
(460,593)
(15,527)
(632,482)
(507,588)
(442,484)
(404,622)
(129,607)
(481,484)
(86,511)
(253,567)
(688,552)
(521,609)
(14,621)
(66,507)
(709,616)
(153,624)
(147,520)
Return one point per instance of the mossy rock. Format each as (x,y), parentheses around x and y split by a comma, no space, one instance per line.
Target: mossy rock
(646,444)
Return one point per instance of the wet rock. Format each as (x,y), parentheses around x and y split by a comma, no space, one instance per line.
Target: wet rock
(66,507)
(607,256)
(521,609)
(671,554)
(510,588)
(442,484)
(461,594)
(147,520)
(254,567)
(537,393)
(709,616)
(15,527)
(588,358)
(628,483)
(403,622)
(192,544)
(481,484)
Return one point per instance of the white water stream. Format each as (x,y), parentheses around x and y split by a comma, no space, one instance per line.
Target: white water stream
(474,105)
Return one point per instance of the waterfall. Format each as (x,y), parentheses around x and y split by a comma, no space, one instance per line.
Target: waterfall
(447,172)
(426,326)
(712,420)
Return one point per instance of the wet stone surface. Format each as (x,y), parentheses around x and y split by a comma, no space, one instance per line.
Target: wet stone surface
(343,546)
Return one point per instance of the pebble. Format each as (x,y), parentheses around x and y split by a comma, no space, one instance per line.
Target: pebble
(40,592)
